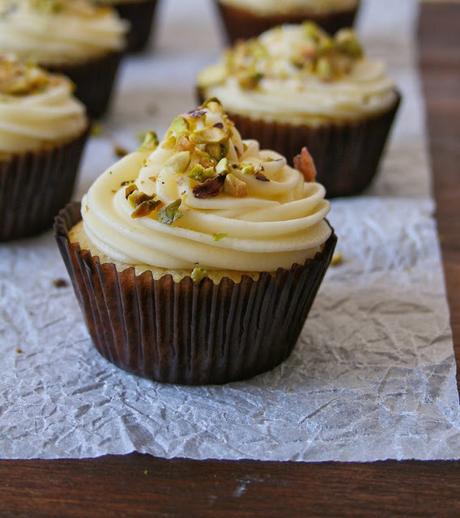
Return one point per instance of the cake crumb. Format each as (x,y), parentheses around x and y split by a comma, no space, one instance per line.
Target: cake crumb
(146,472)
(19,350)
(60,283)
(119,151)
(337,259)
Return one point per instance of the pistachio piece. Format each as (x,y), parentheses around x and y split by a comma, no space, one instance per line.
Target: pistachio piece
(210,188)
(171,213)
(306,165)
(249,80)
(235,187)
(179,126)
(149,141)
(129,190)
(222,167)
(247,168)
(209,136)
(145,208)
(217,151)
(261,177)
(348,42)
(198,274)
(200,173)
(218,236)
(138,197)
(324,69)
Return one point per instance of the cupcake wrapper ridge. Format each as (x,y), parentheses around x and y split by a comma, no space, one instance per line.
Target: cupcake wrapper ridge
(185,332)
(94,81)
(34,186)
(240,23)
(141,16)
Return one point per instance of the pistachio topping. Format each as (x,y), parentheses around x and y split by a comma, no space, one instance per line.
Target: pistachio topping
(198,274)
(171,213)
(149,141)
(312,52)
(19,79)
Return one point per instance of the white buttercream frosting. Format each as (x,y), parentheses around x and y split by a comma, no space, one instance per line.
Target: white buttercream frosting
(54,32)
(300,79)
(37,109)
(263,217)
(269,7)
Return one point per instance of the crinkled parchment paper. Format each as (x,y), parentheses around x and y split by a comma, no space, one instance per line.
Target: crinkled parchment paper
(373,376)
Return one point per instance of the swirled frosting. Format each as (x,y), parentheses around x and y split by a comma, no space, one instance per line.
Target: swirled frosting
(268,7)
(37,109)
(205,197)
(55,32)
(299,74)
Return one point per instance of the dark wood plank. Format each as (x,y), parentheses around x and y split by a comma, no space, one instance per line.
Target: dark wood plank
(138,485)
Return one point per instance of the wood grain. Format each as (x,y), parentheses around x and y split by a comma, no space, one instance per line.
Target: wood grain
(138,485)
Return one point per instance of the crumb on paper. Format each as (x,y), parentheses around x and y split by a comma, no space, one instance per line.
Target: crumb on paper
(337,259)
(19,350)
(146,472)
(60,283)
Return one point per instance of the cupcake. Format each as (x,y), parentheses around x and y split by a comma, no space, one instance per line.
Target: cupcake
(43,130)
(71,37)
(140,14)
(296,86)
(196,260)
(244,19)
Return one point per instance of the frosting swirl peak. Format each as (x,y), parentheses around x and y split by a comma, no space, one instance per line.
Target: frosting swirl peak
(204,196)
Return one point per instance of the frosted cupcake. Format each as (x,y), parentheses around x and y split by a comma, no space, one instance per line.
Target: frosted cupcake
(296,86)
(141,16)
(197,260)
(72,37)
(43,130)
(244,19)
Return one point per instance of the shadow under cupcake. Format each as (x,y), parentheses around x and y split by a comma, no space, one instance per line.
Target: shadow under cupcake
(43,130)
(296,86)
(70,37)
(196,260)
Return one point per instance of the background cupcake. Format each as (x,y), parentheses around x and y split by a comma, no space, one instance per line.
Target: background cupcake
(245,19)
(42,134)
(72,37)
(296,86)
(215,248)
(141,16)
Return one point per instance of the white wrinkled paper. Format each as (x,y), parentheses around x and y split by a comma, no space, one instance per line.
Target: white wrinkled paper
(373,376)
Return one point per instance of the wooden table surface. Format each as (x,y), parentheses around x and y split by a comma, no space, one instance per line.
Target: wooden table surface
(138,485)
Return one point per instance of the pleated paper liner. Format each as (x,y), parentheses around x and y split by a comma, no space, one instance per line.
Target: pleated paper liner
(347,155)
(185,332)
(94,81)
(240,23)
(141,16)
(34,186)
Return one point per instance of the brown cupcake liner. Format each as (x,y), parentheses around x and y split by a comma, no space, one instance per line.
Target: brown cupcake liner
(141,16)
(347,155)
(94,81)
(185,332)
(34,186)
(240,23)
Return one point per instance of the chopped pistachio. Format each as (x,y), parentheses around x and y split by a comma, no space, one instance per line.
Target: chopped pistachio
(217,151)
(324,69)
(209,136)
(219,236)
(210,188)
(200,173)
(138,197)
(145,208)
(222,167)
(248,168)
(250,80)
(129,190)
(179,126)
(235,187)
(171,213)
(150,141)
(198,274)
(261,177)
